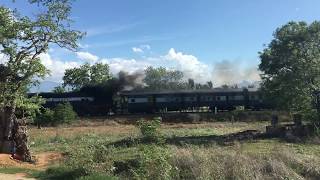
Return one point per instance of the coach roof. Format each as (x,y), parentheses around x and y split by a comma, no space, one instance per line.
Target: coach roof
(197,91)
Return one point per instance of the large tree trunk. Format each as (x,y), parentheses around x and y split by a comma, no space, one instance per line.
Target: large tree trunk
(7,118)
(13,134)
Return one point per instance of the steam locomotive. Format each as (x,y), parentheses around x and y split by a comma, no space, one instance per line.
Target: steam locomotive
(145,101)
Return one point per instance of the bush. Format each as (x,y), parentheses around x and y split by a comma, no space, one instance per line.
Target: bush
(59,173)
(154,163)
(66,173)
(90,158)
(64,113)
(150,129)
(45,118)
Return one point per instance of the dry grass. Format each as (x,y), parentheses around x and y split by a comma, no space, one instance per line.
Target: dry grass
(259,159)
(234,163)
(112,128)
(69,132)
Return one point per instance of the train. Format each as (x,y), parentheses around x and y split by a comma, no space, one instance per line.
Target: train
(217,99)
(164,101)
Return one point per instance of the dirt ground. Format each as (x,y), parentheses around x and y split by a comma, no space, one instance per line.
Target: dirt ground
(18,176)
(43,160)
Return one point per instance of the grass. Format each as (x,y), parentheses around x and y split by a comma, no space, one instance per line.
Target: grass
(15,170)
(89,154)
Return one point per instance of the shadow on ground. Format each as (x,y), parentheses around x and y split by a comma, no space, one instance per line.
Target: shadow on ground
(248,135)
(228,139)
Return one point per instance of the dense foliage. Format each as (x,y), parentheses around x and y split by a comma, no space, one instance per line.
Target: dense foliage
(162,78)
(290,67)
(45,117)
(86,75)
(150,129)
(61,114)
(64,113)
(22,40)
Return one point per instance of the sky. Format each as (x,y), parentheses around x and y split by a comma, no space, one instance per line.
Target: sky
(209,40)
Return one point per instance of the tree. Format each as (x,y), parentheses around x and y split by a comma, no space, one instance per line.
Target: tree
(161,78)
(86,75)
(191,83)
(22,40)
(290,67)
(44,117)
(63,113)
(210,84)
(59,89)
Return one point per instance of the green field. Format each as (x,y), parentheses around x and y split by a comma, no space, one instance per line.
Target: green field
(107,149)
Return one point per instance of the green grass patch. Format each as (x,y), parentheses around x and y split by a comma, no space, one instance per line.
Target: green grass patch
(13,170)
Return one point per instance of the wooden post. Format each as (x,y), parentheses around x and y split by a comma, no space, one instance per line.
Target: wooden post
(274,120)
(297,119)
(1,129)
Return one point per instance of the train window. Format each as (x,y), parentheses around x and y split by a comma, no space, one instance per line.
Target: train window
(221,98)
(132,100)
(238,98)
(254,97)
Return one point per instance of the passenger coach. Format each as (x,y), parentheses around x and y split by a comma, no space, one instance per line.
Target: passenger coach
(184,100)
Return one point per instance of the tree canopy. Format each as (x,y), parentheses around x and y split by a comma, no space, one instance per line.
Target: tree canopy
(161,78)
(22,40)
(86,75)
(290,67)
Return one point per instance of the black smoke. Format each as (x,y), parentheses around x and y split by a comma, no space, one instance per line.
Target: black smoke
(106,92)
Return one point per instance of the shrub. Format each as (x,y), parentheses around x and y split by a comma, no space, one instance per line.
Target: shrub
(98,176)
(154,163)
(150,129)
(64,113)
(66,173)
(59,173)
(90,158)
(46,117)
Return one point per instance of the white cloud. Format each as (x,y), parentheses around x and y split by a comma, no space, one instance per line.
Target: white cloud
(128,65)
(145,46)
(141,48)
(221,72)
(3,59)
(190,66)
(137,50)
(57,67)
(86,56)
(83,46)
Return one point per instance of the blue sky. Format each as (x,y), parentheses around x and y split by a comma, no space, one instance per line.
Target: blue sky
(222,37)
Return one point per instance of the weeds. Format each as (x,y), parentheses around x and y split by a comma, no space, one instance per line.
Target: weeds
(150,130)
(91,155)
(154,163)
